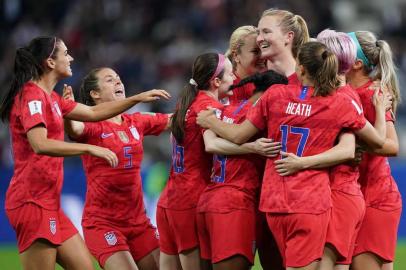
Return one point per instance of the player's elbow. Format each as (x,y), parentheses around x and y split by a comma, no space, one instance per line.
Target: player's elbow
(209,147)
(39,148)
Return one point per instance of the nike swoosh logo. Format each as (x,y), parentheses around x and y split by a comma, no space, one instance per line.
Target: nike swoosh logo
(106,135)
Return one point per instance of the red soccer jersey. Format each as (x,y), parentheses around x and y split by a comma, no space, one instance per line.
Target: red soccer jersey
(377,184)
(344,177)
(235,180)
(116,193)
(190,172)
(293,79)
(305,125)
(241,93)
(37,178)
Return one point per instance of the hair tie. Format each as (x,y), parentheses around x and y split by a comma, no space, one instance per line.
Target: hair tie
(193,82)
(377,43)
(360,53)
(324,55)
(53,49)
(220,66)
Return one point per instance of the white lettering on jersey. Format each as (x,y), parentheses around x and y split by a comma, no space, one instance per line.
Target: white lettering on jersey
(357,107)
(35,107)
(298,109)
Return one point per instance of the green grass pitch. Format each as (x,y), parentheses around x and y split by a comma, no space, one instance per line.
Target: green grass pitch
(9,259)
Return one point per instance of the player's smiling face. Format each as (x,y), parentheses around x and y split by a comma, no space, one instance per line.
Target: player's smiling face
(227,79)
(249,56)
(271,40)
(110,86)
(62,60)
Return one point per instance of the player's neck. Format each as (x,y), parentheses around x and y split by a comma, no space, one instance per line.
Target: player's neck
(358,81)
(47,83)
(212,94)
(116,119)
(283,64)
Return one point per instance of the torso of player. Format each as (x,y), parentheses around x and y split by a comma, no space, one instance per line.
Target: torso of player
(377,184)
(344,177)
(116,193)
(235,180)
(37,178)
(305,125)
(191,165)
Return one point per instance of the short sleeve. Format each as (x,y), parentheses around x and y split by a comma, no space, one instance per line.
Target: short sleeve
(351,115)
(151,123)
(66,105)
(32,104)
(258,113)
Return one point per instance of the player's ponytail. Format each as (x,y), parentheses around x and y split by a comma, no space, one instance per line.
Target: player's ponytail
(321,66)
(29,64)
(380,63)
(262,81)
(204,69)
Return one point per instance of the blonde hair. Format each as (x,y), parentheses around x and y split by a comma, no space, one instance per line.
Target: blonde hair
(291,22)
(237,40)
(382,67)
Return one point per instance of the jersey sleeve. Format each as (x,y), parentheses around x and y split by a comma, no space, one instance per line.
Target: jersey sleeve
(151,123)
(67,105)
(390,116)
(32,106)
(351,115)
(258,113)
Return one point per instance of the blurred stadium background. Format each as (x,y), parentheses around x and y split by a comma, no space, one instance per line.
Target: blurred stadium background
(152,44)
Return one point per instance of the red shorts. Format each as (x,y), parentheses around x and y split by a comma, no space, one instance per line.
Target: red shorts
(32,222)
(378,233)
(300,237)
(223,235)
(345,221)
(105,239)
(268,251)
(177,230)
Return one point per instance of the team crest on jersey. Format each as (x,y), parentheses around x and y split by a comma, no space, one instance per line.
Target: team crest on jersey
(56,107)
(111,238)
(123,136)
(135,133)
(52,225)
(217,112)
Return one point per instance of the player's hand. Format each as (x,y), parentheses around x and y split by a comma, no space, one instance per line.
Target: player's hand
(267,147)
(152,95)
(67,92)
(378,100)
(105,154)
(289,164)
(204,117)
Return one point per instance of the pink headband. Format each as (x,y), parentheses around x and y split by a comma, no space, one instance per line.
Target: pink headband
(220,66)
(53,49)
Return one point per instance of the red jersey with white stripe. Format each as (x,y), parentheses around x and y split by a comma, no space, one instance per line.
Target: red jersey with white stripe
(37,178)
(235,180)
(305,125)
(116,193)
(344,177)
(377,184)
(191,165)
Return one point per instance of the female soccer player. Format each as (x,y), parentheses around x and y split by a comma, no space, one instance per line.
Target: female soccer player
(212,75)
(383,200)
(302,117)
(44,234)
(281,33)
(245,56)
(227,207)
(116,229)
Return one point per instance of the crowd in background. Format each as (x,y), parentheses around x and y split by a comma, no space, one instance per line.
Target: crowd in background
(152,44)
